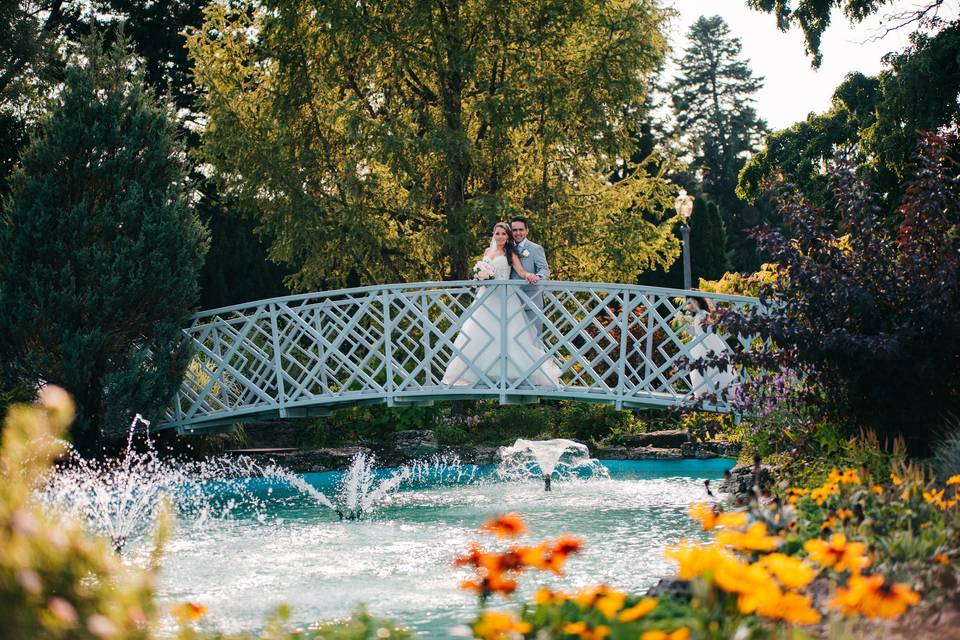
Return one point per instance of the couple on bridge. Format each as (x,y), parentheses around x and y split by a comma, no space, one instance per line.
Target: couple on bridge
(512,326)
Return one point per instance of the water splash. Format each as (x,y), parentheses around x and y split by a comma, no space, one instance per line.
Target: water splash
(121,497)
(558,458)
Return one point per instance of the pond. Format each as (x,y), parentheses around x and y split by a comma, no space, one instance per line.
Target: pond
(285,547)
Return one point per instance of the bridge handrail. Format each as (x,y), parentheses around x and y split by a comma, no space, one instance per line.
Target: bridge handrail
(454,284)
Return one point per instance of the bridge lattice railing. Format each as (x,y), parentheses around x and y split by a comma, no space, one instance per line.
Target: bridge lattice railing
(305,354)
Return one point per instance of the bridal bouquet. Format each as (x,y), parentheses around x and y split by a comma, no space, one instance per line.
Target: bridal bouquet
(483,270)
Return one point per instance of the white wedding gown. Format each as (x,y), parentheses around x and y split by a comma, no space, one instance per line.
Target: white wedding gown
(709,344)
(480,342)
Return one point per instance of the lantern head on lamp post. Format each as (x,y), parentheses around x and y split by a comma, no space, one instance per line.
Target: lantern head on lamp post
(684,206)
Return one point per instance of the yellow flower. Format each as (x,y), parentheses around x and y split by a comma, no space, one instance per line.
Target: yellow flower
(935,497)
(829,523)
(703,513)
(896,480)
(611,603)
(820,494)
(188,611)
(877,489)
(954,479)
(496,625)
(708,517)
(680,634)
(844,514)
(792,573)
(695,559)
(849,476)
(638,610)
(838,553)
(754,539)
(581,630)
(874,597)
(543,595)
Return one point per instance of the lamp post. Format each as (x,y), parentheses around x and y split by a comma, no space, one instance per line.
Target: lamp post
(684,206)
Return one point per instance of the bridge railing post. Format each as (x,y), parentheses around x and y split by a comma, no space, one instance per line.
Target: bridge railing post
(503,341)
(625,306)
(388,347)
(278,362)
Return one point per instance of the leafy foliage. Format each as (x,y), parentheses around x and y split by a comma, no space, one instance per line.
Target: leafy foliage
(385,140)
(101,249)
(872,307)
(874,123)
(713,105)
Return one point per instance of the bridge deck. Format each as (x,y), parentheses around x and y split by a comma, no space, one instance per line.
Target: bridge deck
(311,354)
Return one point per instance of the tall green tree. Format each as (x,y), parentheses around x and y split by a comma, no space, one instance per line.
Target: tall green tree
(712,95)
(102,249)
(384,139)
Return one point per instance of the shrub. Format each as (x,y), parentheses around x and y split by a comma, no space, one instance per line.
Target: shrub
(870,307)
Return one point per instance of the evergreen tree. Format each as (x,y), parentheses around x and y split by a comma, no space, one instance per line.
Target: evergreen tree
(101,249)
(712,98)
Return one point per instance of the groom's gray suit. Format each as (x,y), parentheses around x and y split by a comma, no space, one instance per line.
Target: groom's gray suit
(535,261)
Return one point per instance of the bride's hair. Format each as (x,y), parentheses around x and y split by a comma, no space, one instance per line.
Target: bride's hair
(509,248)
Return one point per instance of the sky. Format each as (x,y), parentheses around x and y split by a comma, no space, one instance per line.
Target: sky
(792,88)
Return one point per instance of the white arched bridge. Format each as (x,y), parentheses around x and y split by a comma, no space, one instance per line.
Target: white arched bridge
(310,354)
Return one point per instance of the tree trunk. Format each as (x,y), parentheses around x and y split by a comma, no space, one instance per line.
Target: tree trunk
(457,151)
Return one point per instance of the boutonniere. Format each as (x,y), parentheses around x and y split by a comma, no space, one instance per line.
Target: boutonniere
(526,253)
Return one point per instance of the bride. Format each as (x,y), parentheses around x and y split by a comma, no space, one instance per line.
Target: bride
(480,341)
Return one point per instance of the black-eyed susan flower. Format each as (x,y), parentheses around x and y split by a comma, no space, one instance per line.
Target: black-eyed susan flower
(874,597)
(838,554)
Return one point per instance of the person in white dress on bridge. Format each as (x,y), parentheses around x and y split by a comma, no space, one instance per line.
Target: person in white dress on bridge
(481,339)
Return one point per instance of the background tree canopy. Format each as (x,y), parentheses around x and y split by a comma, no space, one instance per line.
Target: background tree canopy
(384,140)
(875,122)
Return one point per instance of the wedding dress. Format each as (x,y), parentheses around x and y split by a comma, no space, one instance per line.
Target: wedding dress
(480,341)
(708,344)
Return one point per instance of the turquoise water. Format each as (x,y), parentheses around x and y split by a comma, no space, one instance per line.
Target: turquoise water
(398,562)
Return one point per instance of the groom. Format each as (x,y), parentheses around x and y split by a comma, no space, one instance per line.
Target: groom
(534,262)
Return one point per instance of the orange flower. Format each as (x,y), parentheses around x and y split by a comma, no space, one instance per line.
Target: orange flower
(509,525)
(838,553)
(791,607)
(188,611)
(874,597)
(941,558)
(877,489)
(844,514)
(954,479)
(638,610)
(754,539)
(896,480)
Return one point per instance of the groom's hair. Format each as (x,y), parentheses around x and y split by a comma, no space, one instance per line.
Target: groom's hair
(525,222)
